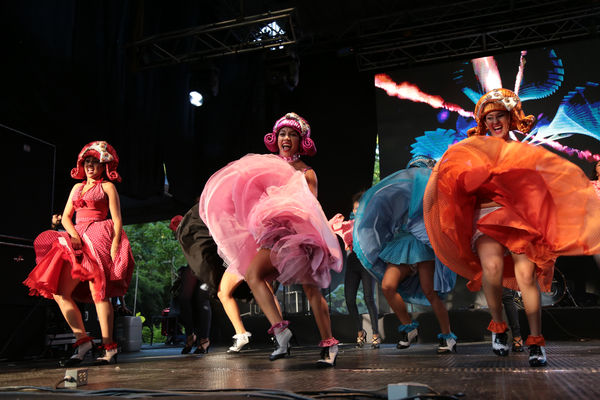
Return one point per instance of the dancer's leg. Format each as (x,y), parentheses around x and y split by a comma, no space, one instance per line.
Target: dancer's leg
(394,274)
(369,296)
(259,272)
(426,272)
(105,312)
(67,305)
(491,255)
(530,292)
(512,314)
(320,310)
(351,283)
(229,282)
(189,283)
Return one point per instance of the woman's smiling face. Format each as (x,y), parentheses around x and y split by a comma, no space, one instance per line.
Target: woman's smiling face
(92,167)
(288,141)
(498,123)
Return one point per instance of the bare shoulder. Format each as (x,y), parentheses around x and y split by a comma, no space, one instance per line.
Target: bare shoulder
(109,187)
(77,186)
(310,172)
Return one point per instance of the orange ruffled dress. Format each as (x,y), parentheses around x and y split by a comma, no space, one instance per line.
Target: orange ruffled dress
(549,207)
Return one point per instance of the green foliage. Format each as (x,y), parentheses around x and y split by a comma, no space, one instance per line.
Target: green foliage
(158,336)
(338,301)
(141,317)
(157,257)
(376,174)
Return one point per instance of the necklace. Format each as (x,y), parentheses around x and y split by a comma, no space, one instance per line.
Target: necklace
(291,159)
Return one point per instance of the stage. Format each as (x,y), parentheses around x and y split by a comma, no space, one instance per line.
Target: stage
(474,372)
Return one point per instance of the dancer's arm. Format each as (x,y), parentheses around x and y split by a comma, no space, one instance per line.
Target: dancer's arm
(67,220)
(114,206)
(311,178)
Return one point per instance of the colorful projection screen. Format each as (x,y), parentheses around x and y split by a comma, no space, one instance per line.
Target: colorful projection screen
(426,109)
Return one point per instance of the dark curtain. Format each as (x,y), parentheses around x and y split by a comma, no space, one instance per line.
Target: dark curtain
(69,77)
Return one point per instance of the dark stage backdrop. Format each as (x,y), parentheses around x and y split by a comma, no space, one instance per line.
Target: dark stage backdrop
(560,87)
(69,78)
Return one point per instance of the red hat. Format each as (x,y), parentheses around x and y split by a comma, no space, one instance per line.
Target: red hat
(175,221)
(105,153)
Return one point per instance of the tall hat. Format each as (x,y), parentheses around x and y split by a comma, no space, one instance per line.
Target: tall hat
(105,153)
(501,100)
(297,123)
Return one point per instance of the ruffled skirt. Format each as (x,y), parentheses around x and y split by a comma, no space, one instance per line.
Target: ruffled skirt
(389,228)
(549,207)
(260,201)
(90,264)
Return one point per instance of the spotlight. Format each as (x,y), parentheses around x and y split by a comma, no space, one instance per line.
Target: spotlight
(443,116)
(196,99)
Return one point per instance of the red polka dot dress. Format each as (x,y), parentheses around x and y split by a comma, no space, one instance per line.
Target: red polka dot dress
(92,262)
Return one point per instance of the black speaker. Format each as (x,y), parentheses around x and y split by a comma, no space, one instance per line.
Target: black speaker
(24,316)
(27,166)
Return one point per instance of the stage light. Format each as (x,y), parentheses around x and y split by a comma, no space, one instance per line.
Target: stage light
(443,116)
(271,32)
(196,99)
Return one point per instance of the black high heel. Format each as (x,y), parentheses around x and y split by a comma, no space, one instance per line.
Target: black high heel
(517,345)
(361,338)
(189,343)
(82,347)
(376,341)
(203,346)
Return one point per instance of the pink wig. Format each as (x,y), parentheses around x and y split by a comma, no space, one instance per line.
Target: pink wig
(297,123)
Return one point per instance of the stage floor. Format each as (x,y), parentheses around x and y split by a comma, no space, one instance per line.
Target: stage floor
(474,371)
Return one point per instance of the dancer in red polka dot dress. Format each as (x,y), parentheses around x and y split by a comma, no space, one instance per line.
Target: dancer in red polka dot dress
(92,260)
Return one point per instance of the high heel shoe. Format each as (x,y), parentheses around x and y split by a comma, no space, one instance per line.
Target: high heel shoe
(82,346)
(283,345)
(376,341)
(447,343)
(500,343)
(203,345)
(517,345)
(361,338)
(239,341)
(110,354)
(329,352)
(408,334)
(189,343)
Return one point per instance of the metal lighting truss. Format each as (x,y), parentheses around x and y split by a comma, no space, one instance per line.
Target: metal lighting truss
(241,35)
(471,28)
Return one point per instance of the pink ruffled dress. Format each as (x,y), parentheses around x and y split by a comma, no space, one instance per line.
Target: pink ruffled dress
(93,262)
(260,201)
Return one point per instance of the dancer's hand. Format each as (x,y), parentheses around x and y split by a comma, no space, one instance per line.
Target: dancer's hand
(76,242)
(114,250)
